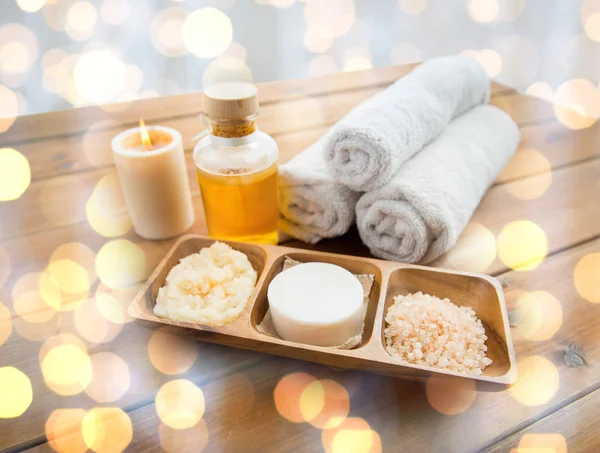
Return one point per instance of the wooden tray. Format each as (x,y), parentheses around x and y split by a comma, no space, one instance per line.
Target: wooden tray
(481,292)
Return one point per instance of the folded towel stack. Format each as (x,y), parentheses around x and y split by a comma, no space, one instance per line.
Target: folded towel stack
(421,212)
(313,206)
(366,148)
(415,207)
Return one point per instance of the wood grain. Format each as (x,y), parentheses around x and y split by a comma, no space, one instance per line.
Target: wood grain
(573,428)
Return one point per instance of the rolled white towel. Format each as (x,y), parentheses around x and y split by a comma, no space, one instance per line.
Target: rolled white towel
(312,205)
(421,212)
(366,148)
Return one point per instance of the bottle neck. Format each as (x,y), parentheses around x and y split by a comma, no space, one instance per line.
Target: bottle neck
(233,129)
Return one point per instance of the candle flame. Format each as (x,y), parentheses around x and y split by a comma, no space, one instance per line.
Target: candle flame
(146,140)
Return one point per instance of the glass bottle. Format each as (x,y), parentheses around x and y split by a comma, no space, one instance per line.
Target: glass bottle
(236,166)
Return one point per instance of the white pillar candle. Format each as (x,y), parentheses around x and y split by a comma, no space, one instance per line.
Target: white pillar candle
(154,181)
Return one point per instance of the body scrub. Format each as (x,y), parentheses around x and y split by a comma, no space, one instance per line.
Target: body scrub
(316,303)
(210,287)
(428,331)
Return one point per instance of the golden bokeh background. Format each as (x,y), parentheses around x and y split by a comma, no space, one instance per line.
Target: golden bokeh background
(70,306)
(81,52)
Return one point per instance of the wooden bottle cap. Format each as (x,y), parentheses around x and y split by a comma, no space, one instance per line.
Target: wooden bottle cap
(231,101)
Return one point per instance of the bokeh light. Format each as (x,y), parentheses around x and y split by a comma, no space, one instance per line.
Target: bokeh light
(325,404)
(15,174)
(54,297)
(106,210)
(180,404)
(207,32)
(542,443)
(92,326)
(287,395)
(405,53)
(36,331)
(31,6)
(511,10)
(412,6)
(15,392)
(237,51)
(107,430)
(26,283)
(166,31)
(110,378)
(537,383)
(352,435)
(474,251)
(183,440)
(450,396)
(33,308)
(540,315)
(121,264)
(18,51)
(113,309)
(483,10)
(589,7)
(171,354)
(312,400)
(587,277)
(522,245)
(79,253)
(9,108)
(5,324)
(357,59)
(67,369)
(318,38)
(577,103)
(60,340)
(226,69)
(63,430)
(81,20)
(489,59)
(592,27)
(336,15)
(99,76)
(541,90)
(322,65)
(529,173)
(69,276)
(115,12)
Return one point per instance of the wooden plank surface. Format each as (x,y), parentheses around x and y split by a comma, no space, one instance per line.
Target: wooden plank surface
(573,428)
(64,176)
(61,200)
(401,412)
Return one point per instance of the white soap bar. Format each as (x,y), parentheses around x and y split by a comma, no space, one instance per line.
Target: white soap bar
(316,303)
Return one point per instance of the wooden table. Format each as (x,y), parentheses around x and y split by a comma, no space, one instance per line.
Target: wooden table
(70,159)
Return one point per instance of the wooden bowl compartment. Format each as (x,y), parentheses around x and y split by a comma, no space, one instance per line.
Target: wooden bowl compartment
(185,247)
(478,292)
(354,265)
(481,292)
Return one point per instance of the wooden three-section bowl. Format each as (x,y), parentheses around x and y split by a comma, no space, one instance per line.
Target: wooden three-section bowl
(481,292)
